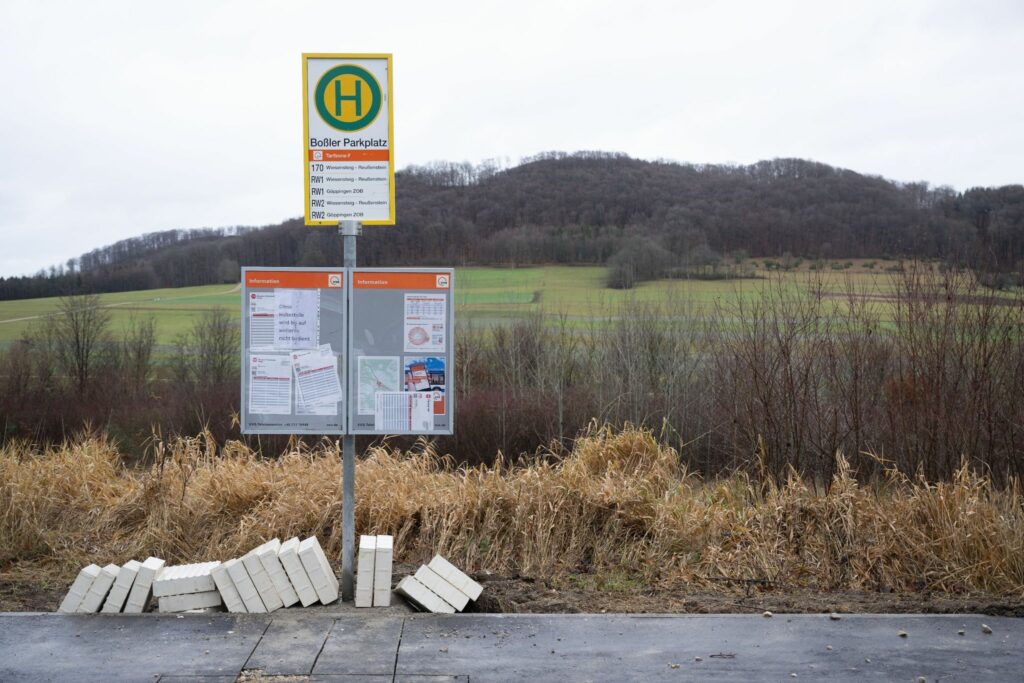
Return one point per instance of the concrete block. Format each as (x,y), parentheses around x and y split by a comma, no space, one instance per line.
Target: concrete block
(185,578)
(79,587)
(364,598)
(245,587)
(226,587)
(325,583)
(382,597)
(122,586)
(264,586)
(367,550)
(447,592)
(139,595)
(289,557)
(422,597)
(364,571)
(188,601)
(268,554)
(453,575)
(382,566)
(99,589)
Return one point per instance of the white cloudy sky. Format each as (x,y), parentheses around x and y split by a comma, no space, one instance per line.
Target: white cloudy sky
(118,118)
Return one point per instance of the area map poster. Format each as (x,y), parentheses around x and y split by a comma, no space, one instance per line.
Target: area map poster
(348,130)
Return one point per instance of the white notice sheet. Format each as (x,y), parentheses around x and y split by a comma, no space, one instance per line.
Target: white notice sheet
(425,322)
(297,318)
(403,411)
(270,384)
(302,409)
(261,319)
(316,373)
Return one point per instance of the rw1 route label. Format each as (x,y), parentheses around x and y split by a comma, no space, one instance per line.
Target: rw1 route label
(348,127)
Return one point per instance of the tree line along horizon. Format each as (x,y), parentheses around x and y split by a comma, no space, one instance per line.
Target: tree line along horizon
(643,219)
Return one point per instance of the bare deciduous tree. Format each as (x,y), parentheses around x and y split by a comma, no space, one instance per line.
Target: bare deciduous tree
(79,332)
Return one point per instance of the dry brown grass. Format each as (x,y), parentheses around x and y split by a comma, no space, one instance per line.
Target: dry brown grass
(619,501)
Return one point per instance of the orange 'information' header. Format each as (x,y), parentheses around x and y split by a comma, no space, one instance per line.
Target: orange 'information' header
(294,279)
(384,280)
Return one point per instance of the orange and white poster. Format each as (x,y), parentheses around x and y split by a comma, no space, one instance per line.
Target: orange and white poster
(425,323)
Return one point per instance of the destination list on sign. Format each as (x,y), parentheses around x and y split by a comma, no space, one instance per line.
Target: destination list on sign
(348,190)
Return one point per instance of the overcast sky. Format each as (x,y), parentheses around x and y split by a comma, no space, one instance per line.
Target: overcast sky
(119,118)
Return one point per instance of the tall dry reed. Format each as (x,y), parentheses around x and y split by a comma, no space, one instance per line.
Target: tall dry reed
(618,500)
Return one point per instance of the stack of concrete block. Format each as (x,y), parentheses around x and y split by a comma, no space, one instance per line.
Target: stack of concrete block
(440,587)
(90,589)
(187,587)
(373,571)
(114,588)
(275,575)
(78,590)
(269,577)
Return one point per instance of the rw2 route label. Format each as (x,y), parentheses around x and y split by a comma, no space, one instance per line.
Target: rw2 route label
(348,127)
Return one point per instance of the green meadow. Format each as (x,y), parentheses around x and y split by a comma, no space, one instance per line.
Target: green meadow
(484,296)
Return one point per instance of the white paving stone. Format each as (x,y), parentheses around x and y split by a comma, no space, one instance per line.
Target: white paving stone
(245,587)
(264,586)
(382,571)
(189,601)
(382,597)
(422,596)
(365,571)
(139,595)
(99,589)
(289,557)
(226,587)
(122,586)
(449,593)
(80,586)
(325,583)
(268,554)
(185,578)
(456,577)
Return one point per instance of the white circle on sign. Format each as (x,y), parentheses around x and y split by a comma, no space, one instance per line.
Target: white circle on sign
(334,280)
(418,336)
(442,282)
(318,156)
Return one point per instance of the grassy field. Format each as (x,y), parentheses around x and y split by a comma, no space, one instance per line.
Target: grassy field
(488,295)
(484,296)
(174,309)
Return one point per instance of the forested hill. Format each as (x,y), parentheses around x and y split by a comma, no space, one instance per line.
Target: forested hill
(589,207)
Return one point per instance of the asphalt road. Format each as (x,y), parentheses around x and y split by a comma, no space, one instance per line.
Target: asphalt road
(422,648)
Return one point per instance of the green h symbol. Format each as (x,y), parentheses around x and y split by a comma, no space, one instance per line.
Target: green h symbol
(356,97)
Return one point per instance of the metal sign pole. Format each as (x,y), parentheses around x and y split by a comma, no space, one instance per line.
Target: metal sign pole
(348,230)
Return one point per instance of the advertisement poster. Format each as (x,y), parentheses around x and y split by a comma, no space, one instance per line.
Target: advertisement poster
(427,375)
